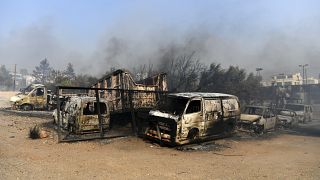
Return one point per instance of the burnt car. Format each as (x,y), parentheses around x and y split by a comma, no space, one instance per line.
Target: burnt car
(303,111)
(286,118)
(257,119)
(188,117)
(79,114)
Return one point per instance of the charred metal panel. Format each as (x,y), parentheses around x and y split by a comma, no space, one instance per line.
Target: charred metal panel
(230,107)
(79,114)
(212,109)
(166,128)
(119,100)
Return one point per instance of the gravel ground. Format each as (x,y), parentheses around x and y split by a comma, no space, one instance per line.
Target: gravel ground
(285,154)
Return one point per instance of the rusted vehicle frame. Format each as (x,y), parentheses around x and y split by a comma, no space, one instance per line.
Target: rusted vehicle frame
(177,125)
(78,114)
(286,118)
(305,114)
(257,122)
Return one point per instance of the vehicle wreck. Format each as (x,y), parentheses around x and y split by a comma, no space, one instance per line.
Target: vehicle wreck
(188,117)
(35,96)
(257,119)
(303,111)
(287,118)
(79,115)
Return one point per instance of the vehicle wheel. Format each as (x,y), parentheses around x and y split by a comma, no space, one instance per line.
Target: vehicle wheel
(229,129)
(71,128)
(304,121)
(26,107)
(259,129)
(193,134)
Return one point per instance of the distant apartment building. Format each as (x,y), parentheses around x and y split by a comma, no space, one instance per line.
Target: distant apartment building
(312,80)
(288,80)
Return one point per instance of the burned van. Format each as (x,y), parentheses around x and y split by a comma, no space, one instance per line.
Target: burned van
(187,117)
(79,115)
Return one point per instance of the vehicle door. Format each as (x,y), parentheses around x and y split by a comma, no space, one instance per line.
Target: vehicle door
(270,119)
(213,116)
(33,97)
(295,118)
(41,97)
(192,117)
(311,113)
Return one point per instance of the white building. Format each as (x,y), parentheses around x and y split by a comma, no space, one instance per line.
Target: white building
(312,80)
(286,79)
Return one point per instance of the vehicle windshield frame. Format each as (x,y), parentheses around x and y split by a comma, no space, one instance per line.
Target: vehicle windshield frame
(173,105)
(256,108)
(295,107)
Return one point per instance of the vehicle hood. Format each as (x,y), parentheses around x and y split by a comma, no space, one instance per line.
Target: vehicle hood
(300,113)
(285,118)
(17,98)
(163,115)
(249,117)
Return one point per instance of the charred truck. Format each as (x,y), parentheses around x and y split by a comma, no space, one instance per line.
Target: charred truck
(35,96)
(130,101)
(124,90)
(188,117)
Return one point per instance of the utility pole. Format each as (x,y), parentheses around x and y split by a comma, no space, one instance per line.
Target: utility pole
(305,73)
(304,79)
(14,77)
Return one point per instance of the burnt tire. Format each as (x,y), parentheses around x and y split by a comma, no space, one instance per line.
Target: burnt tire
(259,129)
(193,134)
(229,129)
(26,107)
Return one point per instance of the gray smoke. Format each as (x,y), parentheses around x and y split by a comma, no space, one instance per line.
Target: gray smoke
(276,52)
(27,46)
(244,37)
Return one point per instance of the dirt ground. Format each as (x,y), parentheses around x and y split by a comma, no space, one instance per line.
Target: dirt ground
(284,154)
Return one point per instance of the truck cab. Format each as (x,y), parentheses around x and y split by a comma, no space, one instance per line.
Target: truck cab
(34,96)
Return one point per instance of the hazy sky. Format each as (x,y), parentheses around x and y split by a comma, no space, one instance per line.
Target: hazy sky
(95,35)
